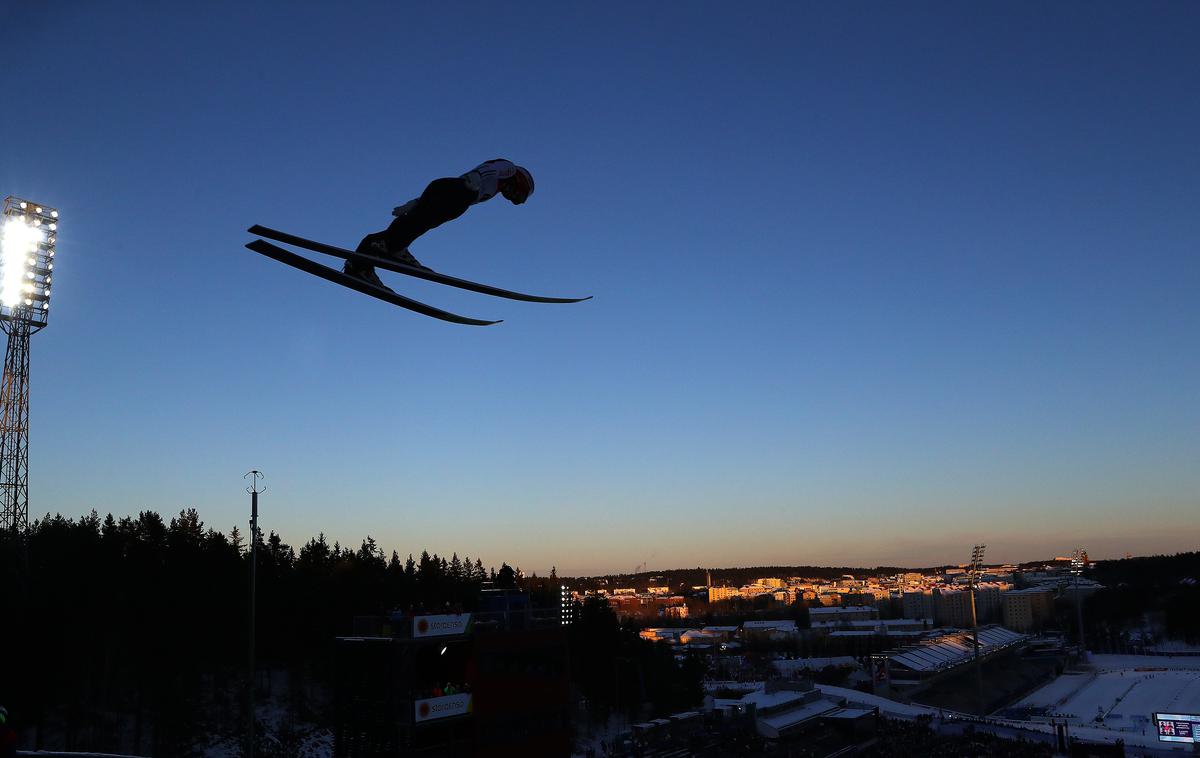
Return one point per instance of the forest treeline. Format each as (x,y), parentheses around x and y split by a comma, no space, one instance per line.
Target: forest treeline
(1156,595)
(140,618)
(130,634)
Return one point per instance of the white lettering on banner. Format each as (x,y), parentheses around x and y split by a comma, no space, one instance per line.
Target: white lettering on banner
(442,707)
(441,626)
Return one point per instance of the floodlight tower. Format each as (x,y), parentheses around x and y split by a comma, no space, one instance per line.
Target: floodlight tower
(28,232)
(1078,564)
(972,579)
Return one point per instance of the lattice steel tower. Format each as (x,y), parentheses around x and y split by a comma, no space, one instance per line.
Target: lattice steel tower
(28,233)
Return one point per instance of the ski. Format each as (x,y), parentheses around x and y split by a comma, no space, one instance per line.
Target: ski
(304,264)
(400,268)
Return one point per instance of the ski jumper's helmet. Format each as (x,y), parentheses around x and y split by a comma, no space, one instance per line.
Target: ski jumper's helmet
(524,180)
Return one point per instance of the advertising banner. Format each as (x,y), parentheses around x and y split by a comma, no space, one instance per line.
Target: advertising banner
(441,626)
(442,707)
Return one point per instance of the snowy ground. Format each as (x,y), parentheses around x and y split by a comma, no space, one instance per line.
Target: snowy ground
(886,707)
(1121,695)
(1175,663)
(280,731)
(1128,697)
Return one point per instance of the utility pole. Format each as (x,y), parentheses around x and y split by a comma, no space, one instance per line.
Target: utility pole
(972,579)
(254,492)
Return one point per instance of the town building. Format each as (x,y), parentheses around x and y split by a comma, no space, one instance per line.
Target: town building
(772,629)
(673,611)
(717,594)
(917,604)
(660,635)
(783,709)
(1029,609)
(953,608)
(840,614)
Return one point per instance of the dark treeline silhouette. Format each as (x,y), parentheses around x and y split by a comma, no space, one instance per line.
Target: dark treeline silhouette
(121,634)
(1148,571)
(1143,592)
(616,671)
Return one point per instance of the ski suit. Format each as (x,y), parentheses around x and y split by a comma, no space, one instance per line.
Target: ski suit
(443,200)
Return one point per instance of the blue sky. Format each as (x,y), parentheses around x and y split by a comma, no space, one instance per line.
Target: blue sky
(873,282)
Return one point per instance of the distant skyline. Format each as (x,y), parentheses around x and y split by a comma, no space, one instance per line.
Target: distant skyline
(872,283)
(997,553)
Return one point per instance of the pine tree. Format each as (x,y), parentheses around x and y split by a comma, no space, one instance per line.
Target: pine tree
(235,539)
(91,522)
(188,526)
(281,553)
(369,553)
(315,555)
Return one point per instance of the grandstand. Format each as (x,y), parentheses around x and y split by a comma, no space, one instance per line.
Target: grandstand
(939,654)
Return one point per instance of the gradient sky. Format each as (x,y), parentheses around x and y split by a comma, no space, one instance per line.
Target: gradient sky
(873,281)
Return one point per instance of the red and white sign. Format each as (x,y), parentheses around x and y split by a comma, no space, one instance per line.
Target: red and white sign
(441,626)
(442,707)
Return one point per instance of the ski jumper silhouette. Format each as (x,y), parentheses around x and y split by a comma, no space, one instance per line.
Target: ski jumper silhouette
(443,200)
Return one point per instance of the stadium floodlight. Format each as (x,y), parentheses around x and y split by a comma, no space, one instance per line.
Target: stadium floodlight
(1079,562)
(972,584)
(19,239)
(28,233)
